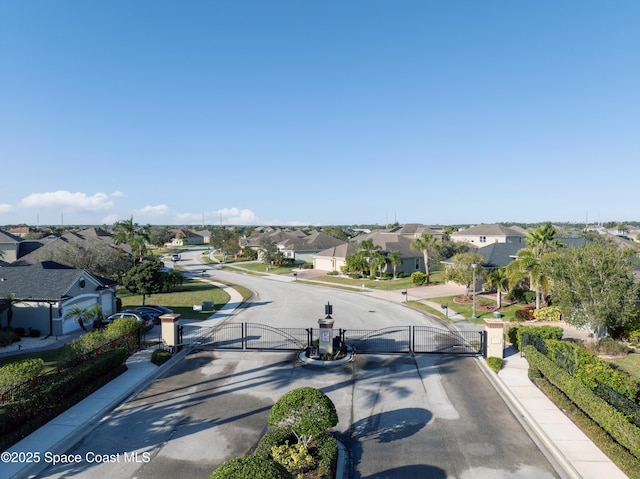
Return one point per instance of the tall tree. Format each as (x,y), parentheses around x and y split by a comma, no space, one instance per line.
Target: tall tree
(395,260)
(594,287)
(268,249)
(6,304)
(425,242)
(499,280)
(461,269)
(527,264)
(145,278)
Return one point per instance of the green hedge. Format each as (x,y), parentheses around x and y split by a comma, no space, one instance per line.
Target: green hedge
(516,335)
(251,467)
(52,390)
(274,437)
(608,417)
(590,369)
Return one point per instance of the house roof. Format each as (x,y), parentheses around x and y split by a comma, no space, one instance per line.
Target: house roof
(45,249)
(387,241)
(488,230)
(46,281)
(501,254)
(8,238)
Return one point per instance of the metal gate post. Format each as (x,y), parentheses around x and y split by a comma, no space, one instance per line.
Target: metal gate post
(243,331)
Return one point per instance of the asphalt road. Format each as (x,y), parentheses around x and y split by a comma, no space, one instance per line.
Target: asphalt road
(401,416)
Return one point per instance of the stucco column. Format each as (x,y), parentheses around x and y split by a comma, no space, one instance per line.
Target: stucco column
(169,323)
(495,337)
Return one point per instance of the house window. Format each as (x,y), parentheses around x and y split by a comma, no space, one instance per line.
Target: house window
(483,239)
(417,264)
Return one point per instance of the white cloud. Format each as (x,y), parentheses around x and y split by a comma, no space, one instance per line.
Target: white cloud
(235,216)
(67,201)
(5,208)
(118,194)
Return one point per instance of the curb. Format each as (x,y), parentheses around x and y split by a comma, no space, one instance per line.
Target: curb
(557,459)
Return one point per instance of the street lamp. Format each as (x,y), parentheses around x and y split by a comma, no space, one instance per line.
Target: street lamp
(473,269)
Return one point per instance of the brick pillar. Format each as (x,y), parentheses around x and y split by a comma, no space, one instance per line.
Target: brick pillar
(495,337)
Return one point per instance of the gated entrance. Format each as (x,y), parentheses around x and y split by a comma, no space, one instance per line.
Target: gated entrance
(399,339)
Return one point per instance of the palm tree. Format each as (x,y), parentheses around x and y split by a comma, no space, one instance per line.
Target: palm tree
(395,260)
(528,262)
(370,251)
(134,235)
(6,304)
(123,231)
(498,279)
(424,243)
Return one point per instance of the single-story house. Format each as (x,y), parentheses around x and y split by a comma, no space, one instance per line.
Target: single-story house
(45,291)
(334,258)
(185,237)
(297,245)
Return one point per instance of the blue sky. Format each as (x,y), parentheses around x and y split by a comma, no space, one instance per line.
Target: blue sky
(319,112)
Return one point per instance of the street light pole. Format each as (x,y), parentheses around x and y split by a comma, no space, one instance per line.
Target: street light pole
(473,269)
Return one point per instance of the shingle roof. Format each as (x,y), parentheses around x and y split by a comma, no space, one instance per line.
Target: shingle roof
(47,281)
(488,230)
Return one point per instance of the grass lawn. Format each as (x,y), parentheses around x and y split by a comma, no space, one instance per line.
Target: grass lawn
(381,284)
(466,309)
(182,300)
(630,364)
(51,358)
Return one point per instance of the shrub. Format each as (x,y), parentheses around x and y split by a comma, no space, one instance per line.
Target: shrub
(306,410)
(549,313)
(495,363)
(34,333)
(525,314)
(251,467)
(418,278)
(16,373)
(8,337)
(519,334)
(327,451)
(294,457)
(355,275)
(273,437)
(160,356)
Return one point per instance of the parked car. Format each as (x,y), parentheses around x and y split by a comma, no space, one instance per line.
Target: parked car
(175,257)
(154,311)
(145,318)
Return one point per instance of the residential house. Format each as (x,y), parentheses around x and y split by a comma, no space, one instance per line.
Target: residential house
(9,246)
(44,292)
(297,245)
(484,234)
(185,237)
(334,258)
(35,251)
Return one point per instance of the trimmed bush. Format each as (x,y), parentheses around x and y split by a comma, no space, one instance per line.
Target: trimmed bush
(251,467)
(608,417)
(306,410)
(518,334)
(273,437)
(16,373)
(294,457)
(495,363)
(160,356)
(418,278)
(549,313)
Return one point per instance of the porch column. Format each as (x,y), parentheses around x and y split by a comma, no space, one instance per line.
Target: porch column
(495,337)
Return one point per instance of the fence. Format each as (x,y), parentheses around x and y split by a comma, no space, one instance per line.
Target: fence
(130,342)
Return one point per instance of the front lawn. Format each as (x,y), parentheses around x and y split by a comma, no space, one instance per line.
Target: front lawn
(380,284)
(182,300)
(484,308)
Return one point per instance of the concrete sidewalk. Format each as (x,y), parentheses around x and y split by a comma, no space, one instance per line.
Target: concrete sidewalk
(33,454)
(576,453)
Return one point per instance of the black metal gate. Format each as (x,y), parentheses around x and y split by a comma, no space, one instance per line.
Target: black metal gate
(247,336)
(399,339)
